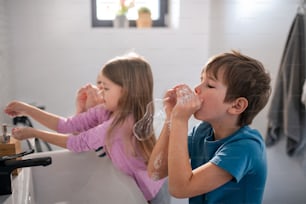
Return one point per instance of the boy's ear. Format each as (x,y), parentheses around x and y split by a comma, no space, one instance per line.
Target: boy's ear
(238,106)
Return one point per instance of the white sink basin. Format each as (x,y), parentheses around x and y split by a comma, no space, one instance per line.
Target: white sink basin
(75,178)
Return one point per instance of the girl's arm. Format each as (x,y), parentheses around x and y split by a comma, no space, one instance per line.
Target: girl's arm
(18,108)
(53,138)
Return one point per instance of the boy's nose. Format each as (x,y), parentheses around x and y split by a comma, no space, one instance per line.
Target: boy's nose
(197,90)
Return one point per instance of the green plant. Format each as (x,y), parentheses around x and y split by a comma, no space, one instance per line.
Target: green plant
(144,10)
(124,7)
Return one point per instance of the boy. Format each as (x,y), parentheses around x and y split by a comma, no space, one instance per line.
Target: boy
(223,160)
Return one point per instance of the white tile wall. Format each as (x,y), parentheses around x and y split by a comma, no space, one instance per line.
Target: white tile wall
(55,48)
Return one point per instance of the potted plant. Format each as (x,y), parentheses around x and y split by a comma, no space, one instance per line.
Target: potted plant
(121,20)
(144,18)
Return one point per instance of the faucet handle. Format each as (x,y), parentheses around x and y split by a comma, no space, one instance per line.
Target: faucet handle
(14,156)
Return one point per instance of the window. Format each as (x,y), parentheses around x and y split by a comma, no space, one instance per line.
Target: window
(104,11)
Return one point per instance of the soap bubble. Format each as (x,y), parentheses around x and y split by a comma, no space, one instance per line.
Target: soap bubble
(152,122)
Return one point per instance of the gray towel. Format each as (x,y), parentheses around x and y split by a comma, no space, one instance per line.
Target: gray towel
(287,113)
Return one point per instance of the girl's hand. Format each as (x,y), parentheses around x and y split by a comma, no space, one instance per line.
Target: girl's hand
(94,96)
(81,100)
(187,102)
(87,97)
(21,133)
(16,108)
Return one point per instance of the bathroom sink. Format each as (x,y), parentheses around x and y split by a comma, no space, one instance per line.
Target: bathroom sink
(76,178)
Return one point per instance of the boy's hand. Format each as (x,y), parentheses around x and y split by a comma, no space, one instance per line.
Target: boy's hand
(169,101)
(187,102)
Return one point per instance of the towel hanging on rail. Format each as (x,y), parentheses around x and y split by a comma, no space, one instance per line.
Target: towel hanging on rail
(303,98)
(287,114)
(301,7)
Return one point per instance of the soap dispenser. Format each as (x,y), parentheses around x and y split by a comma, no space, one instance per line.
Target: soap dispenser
(9,145)
(4,137)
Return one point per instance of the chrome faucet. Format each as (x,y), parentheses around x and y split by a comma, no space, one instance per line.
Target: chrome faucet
(9,164)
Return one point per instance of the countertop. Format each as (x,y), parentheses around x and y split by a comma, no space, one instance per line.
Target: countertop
(73,178)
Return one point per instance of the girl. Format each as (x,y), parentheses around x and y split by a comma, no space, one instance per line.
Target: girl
(127,88)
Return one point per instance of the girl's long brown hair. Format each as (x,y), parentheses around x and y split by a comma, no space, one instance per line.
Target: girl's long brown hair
(133,73)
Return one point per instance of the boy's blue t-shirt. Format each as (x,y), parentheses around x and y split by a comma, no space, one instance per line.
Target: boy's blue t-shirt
(242,154)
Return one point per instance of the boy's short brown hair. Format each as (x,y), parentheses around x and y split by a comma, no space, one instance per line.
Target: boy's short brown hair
(244,77)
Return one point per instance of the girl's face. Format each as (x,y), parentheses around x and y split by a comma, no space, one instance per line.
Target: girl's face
(99,81)
(111,93)
(212,92)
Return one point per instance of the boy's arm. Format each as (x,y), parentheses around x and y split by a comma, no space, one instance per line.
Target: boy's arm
(185,182)
(158,163)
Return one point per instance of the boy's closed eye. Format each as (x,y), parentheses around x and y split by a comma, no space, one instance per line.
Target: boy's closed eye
(209,86)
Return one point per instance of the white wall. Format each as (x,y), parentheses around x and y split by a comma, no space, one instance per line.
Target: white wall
(5,73)
(54,50)
(258,28)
